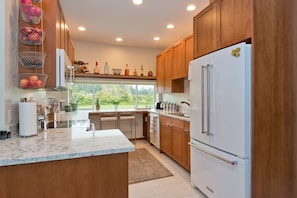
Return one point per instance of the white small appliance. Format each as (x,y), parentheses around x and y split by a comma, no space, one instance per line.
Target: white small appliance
(220,126)
(64,70)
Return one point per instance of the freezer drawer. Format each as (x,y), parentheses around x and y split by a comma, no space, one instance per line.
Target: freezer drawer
(218,174)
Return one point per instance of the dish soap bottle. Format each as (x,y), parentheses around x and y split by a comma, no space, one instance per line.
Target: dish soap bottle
(127,70)
(96,69)
(141,70)
(97,105)
(106,68)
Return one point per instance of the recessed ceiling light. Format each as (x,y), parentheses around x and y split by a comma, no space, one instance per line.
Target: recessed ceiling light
(191,7)
(81,28)
(170,26)
(119,39)
(137,2)
(156,38)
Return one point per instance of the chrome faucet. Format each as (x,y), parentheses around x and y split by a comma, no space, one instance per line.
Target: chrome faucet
(184,102)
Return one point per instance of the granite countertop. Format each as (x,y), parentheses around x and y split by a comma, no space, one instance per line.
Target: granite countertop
(60,144)
(170,114)
(140,110)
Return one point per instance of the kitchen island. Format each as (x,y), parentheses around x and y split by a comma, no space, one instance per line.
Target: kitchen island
(69,162)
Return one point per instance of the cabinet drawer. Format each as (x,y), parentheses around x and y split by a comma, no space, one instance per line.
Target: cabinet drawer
(177,123)
(165,120)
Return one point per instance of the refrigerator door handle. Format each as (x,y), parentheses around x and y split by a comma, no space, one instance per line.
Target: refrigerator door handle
(233,163)
(208,66)
(202,99)
(206,130)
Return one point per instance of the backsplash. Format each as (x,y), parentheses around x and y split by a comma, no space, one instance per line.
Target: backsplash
(178,97)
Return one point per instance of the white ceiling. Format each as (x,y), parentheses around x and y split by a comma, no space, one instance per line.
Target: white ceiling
(137,25)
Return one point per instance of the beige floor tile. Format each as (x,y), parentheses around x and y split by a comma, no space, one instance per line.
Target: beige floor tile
(176,186)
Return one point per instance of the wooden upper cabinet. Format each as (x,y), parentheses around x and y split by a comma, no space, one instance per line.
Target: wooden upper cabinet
(63,32)
(235,21)
(189,54)
(206,30)
(58,27)
(182,54)
(160,73)
(221,24)
(57,36)
(178,64)
(167,70)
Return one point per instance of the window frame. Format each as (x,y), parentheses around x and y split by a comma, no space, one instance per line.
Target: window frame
(136,82)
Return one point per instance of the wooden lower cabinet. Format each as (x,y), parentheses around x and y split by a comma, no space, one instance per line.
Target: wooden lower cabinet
(165,135)
(174,139)
(99,176)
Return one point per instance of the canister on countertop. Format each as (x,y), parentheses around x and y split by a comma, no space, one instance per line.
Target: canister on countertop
(27,118)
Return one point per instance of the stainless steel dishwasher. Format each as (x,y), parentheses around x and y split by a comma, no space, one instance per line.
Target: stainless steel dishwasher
(155,129)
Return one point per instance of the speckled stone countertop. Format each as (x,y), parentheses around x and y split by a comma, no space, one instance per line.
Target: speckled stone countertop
(62,143)
(170,114)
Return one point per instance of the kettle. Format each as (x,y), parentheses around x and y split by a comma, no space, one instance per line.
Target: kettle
(158,105)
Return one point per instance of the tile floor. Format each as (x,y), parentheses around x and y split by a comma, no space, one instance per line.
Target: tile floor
(177,186)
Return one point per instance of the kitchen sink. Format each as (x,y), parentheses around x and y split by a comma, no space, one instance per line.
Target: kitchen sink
(179,114)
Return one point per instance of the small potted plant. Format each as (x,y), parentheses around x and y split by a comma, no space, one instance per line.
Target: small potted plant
(74,104)
(115,103)
(97,104)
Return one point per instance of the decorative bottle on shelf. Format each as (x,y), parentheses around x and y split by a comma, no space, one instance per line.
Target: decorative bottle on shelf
(127,70)
(106,68)
(141,70)
(135,72)
(97,104)
(96,69)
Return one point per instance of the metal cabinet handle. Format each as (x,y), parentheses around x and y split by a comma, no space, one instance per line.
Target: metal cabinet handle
(233,163)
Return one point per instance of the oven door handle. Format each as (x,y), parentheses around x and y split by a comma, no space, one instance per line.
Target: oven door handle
(233,163)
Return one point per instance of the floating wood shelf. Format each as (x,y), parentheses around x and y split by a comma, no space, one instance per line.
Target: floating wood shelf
(90,75)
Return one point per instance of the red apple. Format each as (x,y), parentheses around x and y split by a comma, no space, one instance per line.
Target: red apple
(33,78)
(34,11)
(39,83)
(33,84)
(26,1)
(24,83)
(34,37)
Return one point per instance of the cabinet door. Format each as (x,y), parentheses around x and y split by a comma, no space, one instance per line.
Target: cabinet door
(167,70)
(165,135)
(189,55)
(178,140)
(160,73)
(206,30)
(186,156)
(58,26)
(178,66)
(235,21)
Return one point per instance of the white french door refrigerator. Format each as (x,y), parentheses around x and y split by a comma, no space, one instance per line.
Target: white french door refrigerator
(220,125)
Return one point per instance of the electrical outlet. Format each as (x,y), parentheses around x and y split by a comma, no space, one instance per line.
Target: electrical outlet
(9,115)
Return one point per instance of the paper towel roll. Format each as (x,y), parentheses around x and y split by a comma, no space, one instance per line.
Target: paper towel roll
(27,118)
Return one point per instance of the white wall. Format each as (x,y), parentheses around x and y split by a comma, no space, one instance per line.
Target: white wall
(2,62)
(116,56)
(8,52)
